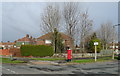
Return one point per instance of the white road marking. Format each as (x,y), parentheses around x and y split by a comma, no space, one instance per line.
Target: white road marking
(83,71)
(9,70)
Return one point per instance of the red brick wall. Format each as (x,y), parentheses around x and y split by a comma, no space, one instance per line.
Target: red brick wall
(13,51)
(68,43)
(41,42)
(4,52)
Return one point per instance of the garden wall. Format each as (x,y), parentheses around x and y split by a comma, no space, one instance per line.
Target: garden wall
(14,51)
(4,52)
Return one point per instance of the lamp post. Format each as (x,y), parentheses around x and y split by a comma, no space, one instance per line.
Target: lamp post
(114,43)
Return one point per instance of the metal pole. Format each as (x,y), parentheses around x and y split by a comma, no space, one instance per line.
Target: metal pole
(113,44)
(113,51)
(95,53)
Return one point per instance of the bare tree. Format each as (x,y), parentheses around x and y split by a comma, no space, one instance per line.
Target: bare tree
(85,28)
(107,34)
(71,15)
(50,23)
(50,18)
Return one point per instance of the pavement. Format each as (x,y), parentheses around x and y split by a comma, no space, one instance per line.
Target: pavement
(110,67)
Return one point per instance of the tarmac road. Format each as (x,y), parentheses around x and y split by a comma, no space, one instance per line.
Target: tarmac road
(90,68)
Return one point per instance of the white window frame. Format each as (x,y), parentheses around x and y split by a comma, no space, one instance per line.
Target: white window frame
(48,41)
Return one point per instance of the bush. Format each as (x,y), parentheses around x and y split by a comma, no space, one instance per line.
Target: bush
(36,50)
(92,47)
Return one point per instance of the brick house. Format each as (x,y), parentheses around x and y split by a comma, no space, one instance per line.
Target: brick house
(114,46)
(27,40)
(5,48)
(118,45)
(1,45)
(7,45)
(46,40)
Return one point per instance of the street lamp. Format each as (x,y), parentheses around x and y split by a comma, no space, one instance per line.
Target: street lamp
(113,42)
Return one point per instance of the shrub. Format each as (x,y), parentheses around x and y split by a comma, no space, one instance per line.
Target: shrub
(92,47)
(36,50)
(90,43)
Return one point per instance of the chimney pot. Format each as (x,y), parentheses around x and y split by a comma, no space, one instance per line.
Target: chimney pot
(27,35)
(30,37)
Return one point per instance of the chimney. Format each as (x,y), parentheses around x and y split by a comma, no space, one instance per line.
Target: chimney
(8,41)
(31,37)
(15,41)
(27,35)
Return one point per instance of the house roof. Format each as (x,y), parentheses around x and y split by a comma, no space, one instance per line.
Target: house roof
(111,44)
(26,38)
(48,36)
(7,43)
(0,43)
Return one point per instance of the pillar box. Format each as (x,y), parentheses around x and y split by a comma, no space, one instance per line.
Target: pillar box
(69,52)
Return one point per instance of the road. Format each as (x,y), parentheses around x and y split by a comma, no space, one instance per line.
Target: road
(110,67)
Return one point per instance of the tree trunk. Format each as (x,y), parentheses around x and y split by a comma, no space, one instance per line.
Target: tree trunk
(103,47)
(113,54)
(106,46)
(83,50)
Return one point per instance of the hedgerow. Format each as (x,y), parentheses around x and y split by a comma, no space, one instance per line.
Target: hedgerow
(37,50)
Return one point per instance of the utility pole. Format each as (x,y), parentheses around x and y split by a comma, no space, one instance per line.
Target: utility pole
(114,43)
(113,50)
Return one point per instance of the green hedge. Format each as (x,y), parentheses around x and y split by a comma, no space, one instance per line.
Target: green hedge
(37,50)
(92,47)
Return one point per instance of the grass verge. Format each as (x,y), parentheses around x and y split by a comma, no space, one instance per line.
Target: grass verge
(48,59)
(92,60)
(7,60)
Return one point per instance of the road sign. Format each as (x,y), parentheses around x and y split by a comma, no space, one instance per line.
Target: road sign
(95,43)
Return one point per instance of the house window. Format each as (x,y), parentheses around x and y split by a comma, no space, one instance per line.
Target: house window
(48,41)
(9,45)
(14,46)
(116,46)
(23,43)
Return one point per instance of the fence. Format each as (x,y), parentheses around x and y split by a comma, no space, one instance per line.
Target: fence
(78,55)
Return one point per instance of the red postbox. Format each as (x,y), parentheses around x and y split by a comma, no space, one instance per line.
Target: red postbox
(69,54)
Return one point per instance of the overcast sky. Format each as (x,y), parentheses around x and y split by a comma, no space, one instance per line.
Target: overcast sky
(19,19)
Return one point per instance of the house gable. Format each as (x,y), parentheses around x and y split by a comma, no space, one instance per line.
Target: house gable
(46,39)
(25,41)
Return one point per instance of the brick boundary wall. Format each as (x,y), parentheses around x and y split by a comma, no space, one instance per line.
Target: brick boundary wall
(4,52)
(14,51)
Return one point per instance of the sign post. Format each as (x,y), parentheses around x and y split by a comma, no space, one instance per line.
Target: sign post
(95,43)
